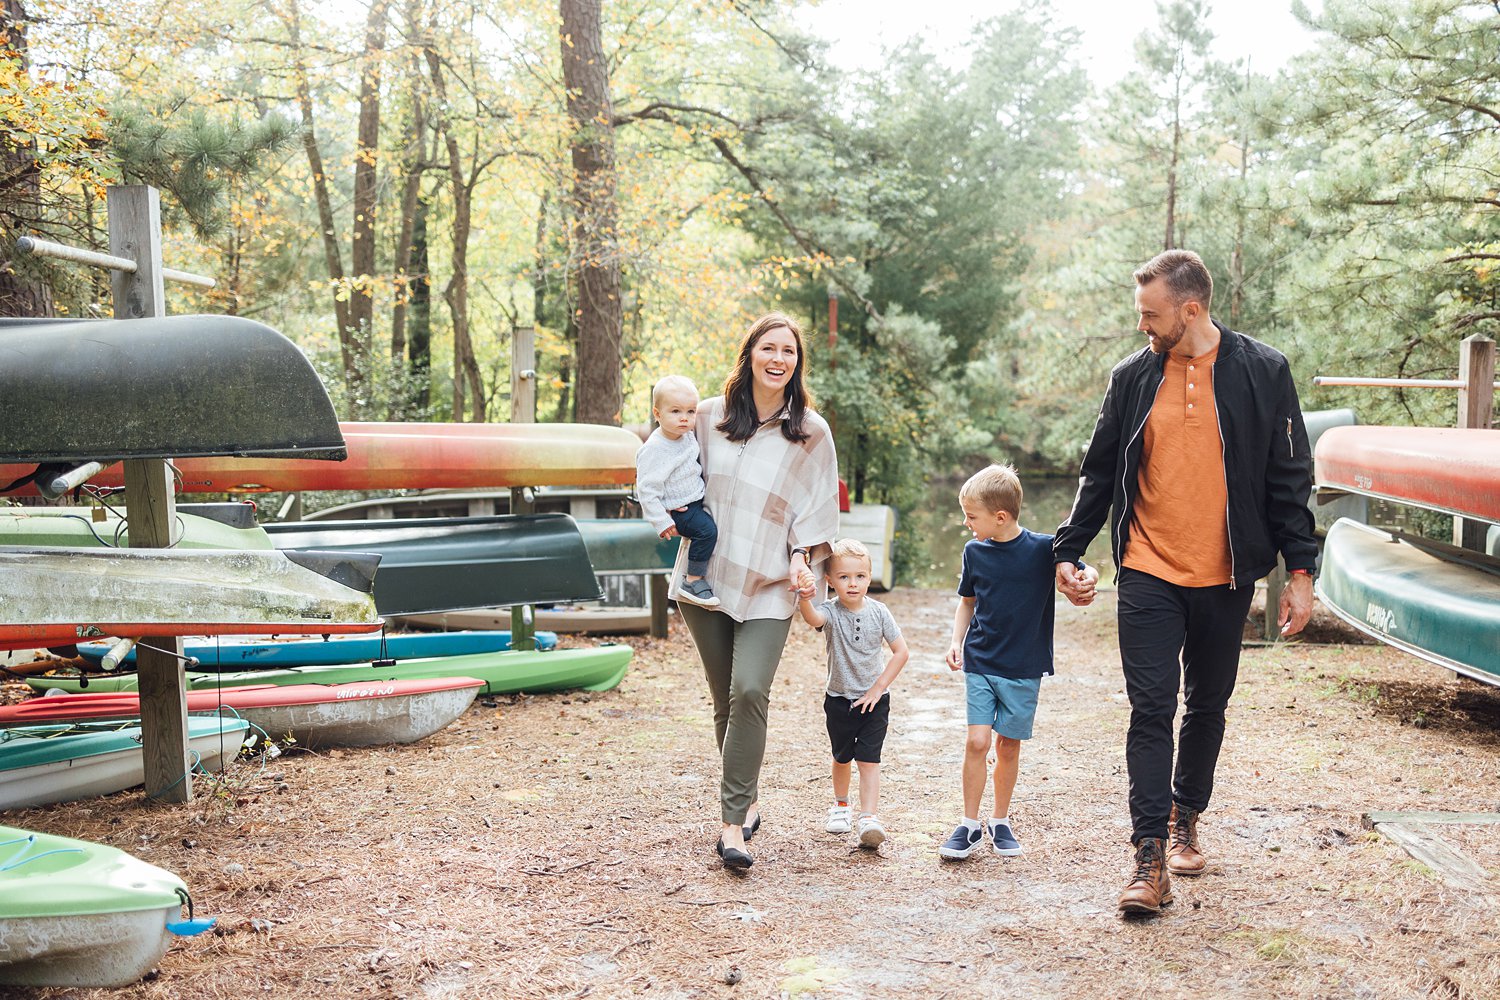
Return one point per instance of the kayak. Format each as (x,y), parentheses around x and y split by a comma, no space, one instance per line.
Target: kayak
(1449,469)
(96,527)
(75,391)
(242,652)
(78,914)
(42,764)
(874,524)
(361,714)
(54,596)
(396,456)
(443,564)
(596,668)
(1433,600)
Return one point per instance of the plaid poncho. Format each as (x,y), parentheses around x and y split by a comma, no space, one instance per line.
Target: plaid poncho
(767,495)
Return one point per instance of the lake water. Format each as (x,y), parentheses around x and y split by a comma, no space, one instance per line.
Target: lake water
(930,540)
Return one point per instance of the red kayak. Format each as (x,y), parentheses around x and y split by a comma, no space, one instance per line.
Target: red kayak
(1449,469)
(394,456)
(363,713)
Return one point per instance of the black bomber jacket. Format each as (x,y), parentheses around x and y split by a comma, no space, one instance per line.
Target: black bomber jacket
(1267,464)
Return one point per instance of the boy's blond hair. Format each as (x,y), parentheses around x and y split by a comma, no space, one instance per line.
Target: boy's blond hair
(994,488)
(851,548)
(672,383)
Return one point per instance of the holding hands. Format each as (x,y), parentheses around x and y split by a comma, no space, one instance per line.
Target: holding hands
(1075,584)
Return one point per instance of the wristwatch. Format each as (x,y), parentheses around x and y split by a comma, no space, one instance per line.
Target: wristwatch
(1300,572)
(802,549)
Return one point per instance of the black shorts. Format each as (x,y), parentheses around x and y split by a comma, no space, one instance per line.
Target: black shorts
(856,735)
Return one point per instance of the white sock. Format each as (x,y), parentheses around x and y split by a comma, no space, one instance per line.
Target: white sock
(1000,819)
(972,824)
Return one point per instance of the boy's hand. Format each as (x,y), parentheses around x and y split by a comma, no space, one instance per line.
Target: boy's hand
(670,532)
(955,658)
(805,593)
(870,699)
(1073,585)
(806,581)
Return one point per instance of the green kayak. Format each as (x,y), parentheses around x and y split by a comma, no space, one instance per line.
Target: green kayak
(75,527)
(1432,600)
(78,914)
(597,668)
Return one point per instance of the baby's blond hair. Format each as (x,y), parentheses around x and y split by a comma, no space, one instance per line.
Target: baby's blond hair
(671,383)
(995,488)
(851,548)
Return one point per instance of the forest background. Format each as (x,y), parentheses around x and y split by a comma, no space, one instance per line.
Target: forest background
(398,185)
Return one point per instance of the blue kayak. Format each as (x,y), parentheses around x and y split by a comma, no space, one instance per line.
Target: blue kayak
(251,653)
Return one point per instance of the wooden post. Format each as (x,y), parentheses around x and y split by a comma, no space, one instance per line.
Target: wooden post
(522,411)
(150,503)
(1476,402)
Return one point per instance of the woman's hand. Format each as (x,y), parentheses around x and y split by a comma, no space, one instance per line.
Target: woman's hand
(670,532)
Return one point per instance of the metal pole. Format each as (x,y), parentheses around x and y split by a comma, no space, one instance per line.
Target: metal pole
(1398,383)
(61,251)
(522,501)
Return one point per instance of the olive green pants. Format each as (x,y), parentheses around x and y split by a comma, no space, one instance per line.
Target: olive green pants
(740,661)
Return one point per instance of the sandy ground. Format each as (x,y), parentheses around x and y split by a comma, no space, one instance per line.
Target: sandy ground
(561,846)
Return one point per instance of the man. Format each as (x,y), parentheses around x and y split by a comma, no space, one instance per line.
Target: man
(1200,455)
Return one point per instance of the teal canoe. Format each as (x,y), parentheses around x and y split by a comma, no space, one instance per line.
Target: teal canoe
(597,668)
(74,913)
(1432,600)
(250,652)
(61,763)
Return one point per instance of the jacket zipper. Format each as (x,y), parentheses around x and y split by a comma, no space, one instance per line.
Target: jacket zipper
(1124,490)
(1213,388)
(1290,452)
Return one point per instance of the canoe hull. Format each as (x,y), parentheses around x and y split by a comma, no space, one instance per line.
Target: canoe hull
(93,950)
(69,778)
(1431,600)
(244,653)
(1448,469)
(595,669)
(565,621)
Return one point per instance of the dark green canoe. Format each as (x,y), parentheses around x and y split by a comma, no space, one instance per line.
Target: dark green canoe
(451,564)
(626,545)
(597,668)
(1430,599)
(75,391)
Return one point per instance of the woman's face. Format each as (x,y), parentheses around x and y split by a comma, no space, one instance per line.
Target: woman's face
(773,359)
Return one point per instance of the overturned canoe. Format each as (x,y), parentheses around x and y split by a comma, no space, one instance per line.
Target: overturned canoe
(95,527)
(52,596)
(443,564)
(361,714)
(248,652)
(396,456)
(1449,469)
(595,669)
(74,391)
(43,764)
(74,913)
(1432,600)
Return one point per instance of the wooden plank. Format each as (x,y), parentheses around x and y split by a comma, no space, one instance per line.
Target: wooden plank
(523,375)
(656,584)
(150,502)
(1370,820)
(1455,867)
(1476,403)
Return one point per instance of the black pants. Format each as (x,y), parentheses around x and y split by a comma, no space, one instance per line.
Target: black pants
(1173,636)
(696,525)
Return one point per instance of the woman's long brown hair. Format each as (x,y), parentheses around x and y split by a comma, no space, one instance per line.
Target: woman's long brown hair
(740,419)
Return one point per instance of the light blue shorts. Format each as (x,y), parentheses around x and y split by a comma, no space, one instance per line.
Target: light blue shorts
(1005,704)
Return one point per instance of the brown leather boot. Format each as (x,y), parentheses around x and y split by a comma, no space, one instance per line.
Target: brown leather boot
(1183,856)
(1150,887)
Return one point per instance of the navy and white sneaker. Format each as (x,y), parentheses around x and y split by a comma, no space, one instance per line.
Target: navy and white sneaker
(1006,844)
(962,843)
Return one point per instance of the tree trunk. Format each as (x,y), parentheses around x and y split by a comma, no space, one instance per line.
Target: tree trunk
(366,177)
(595,232)
(332,257)
(23,291)
(414,163)
(419,344)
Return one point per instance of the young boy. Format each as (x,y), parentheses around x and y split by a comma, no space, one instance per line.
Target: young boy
(856,705)
(669,483)
(1002,640)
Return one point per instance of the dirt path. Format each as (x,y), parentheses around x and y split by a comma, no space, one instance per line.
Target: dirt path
(560,846)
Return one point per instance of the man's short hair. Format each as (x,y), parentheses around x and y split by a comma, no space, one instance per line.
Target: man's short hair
(1185,274)
(851,548)
(671,383)
(994,488)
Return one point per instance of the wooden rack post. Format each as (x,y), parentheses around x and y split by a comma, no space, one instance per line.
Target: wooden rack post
(1476,404)
(522,411)
(150,503)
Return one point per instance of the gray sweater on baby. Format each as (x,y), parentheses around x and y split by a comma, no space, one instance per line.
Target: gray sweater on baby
(667,476)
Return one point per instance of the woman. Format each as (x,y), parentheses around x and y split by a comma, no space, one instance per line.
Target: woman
(772,487)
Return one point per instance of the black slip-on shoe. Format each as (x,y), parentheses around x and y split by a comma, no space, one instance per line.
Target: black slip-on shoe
(750,830)
(733,856)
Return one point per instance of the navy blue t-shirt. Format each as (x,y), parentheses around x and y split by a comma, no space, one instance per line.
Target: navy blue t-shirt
(1012,584)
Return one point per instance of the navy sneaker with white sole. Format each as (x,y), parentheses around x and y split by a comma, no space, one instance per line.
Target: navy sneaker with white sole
(961,843)
(1006,844)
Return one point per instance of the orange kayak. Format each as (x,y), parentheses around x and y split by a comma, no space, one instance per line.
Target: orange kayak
(1449,469)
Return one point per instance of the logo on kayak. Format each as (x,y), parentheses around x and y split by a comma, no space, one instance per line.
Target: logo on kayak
(1382,618)
(322,616)
(88,631)
(1363,482)
(367,692)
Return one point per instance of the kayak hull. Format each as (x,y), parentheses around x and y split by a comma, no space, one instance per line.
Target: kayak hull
(246,653)
(1449,469)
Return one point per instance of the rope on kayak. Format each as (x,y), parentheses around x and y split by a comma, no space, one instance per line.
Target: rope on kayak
(16,860)
(194,766)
